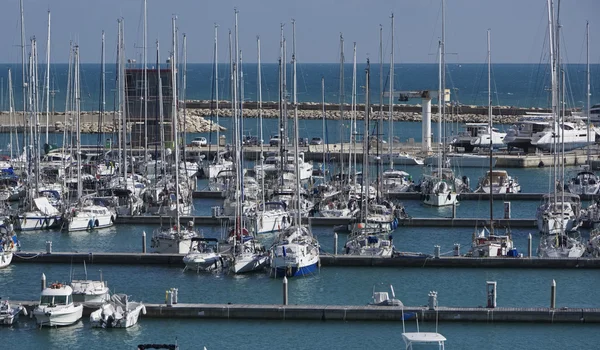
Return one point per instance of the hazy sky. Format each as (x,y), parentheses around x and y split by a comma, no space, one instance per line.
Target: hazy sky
(519,28)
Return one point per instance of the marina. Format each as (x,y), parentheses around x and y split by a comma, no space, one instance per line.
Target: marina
(259,201)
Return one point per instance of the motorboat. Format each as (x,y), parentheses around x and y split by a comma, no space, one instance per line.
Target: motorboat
(90,217)
(9,313)
(585,182)
(568,135)
(294,253)
(490,245)
(382,298)
(419,340)
(203,255)
(498,181)
(478,135)
(56,307)
(88,291)
(522,133)
(402,158)
(173,239)
(560,246)
(118,312)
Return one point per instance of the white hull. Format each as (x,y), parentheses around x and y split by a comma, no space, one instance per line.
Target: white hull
(249,262)
(123,320)
(5,259)
(203,261)
(272,221)
(552,225)
(164,245)
(212,171)
(85,222)
(28,222)
(51,317)
(440,199)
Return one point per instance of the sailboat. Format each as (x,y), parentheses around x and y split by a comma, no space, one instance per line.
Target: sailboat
(295,251)
(175,239)
(559,212)
(490,245)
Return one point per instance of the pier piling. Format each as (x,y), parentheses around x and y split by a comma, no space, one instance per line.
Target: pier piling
(48,247)
(436,251)
(335,243)
(285,290)
(144,242)
(454,210)
(529,246)
(456,249)
(553,295)
(43,281)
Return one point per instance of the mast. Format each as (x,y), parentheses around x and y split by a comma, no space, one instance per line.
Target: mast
(175,120)
(296,133)
(365,175)
(217,89)
(23,67)
(102,91)
(441,97)
(443,80)
(260,116)
(161,115)
(587,94)
(342,106)
(77,89)
(490,121)
(324,116)
(48,79)
(11,109)
(122,104)
(551,41)
(391,120)
(145,68)
(353,108)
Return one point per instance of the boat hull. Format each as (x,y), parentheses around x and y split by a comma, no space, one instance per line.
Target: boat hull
(53,318)
(440,199)
(5,259)
(294,271)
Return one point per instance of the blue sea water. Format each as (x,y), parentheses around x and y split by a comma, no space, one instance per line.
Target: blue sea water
(523,85)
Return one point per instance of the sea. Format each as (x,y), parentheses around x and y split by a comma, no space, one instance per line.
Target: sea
(331,285)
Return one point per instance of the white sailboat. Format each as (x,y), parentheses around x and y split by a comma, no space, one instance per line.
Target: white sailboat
(88,291)
(295,251)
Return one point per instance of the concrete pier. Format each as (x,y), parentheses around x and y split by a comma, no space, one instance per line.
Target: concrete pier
(277,312)
(399,260)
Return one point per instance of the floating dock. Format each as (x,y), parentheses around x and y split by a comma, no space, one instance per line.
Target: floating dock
(400,260)
(361,313)
(319,221)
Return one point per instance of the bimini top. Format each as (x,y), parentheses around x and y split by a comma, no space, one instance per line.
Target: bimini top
(422,337)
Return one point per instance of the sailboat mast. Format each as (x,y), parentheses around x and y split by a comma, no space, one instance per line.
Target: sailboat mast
(296,133)
(490,122)
(145,63)
(443,88)
(324,117)
(365,175)
(391,102)
(217,88)
(78,122)
(260,120)
(23,67)
(551,42)
(175,119)
(48,79)
(440,104)
(122,87)
(587,94)
(102,85)
(353,107)
(342,106)
(11,109)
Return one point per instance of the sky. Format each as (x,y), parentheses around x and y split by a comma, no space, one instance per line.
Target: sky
(518,29)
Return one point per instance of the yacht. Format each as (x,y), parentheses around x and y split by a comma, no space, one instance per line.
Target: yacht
(118,312)
(521,134)
(478,135)
(501,182)
(585,182)
(56,307)
(203,255)
(9,314)
(44,216)
(295,252)
(173,239)
(560,245)
(556,216)
(574,134)
(490,245)
(90,217)
(367,242)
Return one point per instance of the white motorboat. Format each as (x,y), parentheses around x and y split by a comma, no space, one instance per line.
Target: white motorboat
(9,314)
(173,239)
(419,340)
(56,307)
(568,135)
(294,253)
(87,291)
(521,134)
(395,181)
(382,298)
(501,182)
(560,246)
(402,158)
(490,245)
(90,217)
(585,182)
(203,255)
(478,135)
(118,312)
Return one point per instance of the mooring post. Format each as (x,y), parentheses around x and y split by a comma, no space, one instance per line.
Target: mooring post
(335,243)
(553,295)
(285,290)
(43,281)
(144,242)
(529,249)
(454,210)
